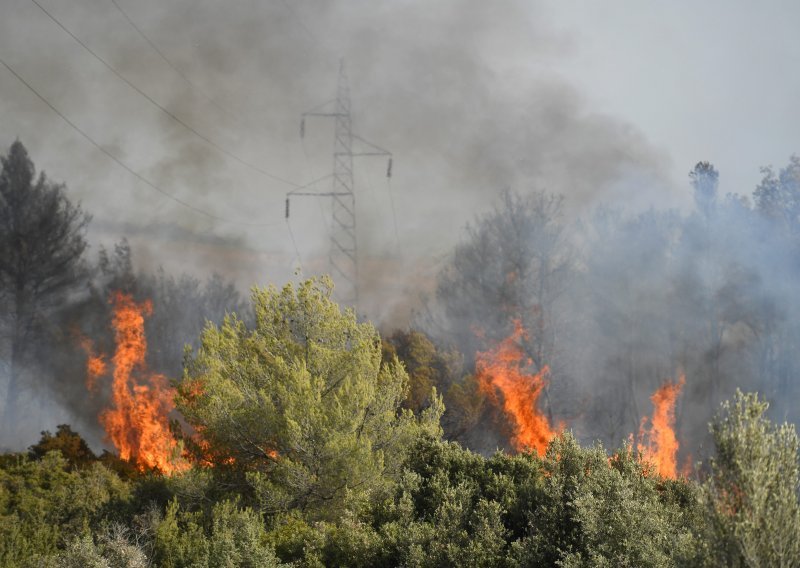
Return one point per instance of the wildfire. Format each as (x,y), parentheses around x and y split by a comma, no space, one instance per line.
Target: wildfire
(95,363)
(658,445)
(501,369)
(137,422)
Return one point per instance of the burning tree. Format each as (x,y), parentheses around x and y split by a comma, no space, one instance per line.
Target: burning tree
(300,406)
(515,265)
(137,421)
(658,445)
(501,373)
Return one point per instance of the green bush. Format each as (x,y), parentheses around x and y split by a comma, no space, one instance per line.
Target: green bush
(752,492)
(301,405)
(597,511)
(44,505)
(230,537)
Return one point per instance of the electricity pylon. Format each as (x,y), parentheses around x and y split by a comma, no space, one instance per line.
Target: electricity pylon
(343,252)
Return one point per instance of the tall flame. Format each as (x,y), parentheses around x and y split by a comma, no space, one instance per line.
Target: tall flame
(137,422)
(658,445)
(501,370)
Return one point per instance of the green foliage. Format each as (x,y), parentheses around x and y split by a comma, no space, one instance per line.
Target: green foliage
(448,511)
(427,366)
(72,447)
(432,367)
(232,537)
(753,487)
(44,505)
(601,512)
(301,405)
(452,507)
(113,550)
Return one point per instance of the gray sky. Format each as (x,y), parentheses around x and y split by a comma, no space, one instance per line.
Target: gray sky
(605,102)
(713,80)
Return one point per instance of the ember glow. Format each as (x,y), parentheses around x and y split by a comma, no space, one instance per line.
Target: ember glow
(658,445)
(501,371)
(137,422)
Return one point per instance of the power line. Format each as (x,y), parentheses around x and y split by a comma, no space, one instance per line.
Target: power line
(302,24)
(122,164)
(169,63)
(157,105)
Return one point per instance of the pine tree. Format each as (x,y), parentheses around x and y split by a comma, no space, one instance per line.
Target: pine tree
(301,405)
(41,262)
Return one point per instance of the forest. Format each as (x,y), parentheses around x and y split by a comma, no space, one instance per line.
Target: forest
(611,390)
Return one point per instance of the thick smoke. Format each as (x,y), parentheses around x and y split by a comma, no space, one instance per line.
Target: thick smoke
(469,98)
(466,96)
(618,303)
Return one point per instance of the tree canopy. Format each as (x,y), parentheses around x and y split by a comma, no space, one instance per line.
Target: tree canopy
(41,249)
(301,404)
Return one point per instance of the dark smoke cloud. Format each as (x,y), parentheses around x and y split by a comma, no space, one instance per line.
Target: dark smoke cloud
(466,94)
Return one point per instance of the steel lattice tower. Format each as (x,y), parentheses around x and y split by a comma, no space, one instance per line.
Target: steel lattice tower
(343,252)
(343,255)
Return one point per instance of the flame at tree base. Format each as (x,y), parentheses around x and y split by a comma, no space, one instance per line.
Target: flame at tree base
(501,370)
(658,445)
(137,422)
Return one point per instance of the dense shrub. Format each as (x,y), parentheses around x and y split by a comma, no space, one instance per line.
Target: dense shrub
(44,504)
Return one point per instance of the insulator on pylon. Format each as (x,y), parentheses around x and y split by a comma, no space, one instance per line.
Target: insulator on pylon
(389,169)
(303,127)
(287,207)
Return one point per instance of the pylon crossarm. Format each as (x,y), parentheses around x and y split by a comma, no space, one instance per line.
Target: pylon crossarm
(319,194)
(378,150)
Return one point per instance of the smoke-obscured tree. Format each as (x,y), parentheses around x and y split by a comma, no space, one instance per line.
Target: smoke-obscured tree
(41,263)
(301,405)
(182,305)
(516,263)
(777,199)
(707,293)
(753,487)
(732,274)
(705,179)
(624,343)
(778,195)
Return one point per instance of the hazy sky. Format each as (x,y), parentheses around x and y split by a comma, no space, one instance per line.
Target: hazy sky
(715,80)
(605,102)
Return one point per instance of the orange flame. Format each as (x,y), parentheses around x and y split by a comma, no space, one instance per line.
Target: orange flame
(137,422)
(501,369)
(658,446)
(95,363)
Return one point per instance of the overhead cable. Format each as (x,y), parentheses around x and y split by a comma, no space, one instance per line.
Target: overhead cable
(122,164)
(155,103)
